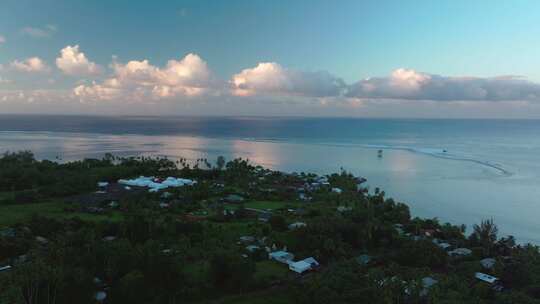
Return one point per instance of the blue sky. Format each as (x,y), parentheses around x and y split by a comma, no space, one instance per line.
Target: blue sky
(313,44)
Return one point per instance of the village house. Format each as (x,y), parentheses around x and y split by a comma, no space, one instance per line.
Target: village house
(488,263)
(460,252)
(297,225)
(304,265)
(264,216)
(491,280)
(337,190)
(281,256)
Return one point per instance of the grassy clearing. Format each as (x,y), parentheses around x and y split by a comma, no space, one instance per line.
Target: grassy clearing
(270,270)
(271,205)
(264,297)
(6,196)
(12,214)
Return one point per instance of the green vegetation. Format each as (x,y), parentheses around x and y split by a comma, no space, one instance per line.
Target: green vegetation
(17,213)
(67,243)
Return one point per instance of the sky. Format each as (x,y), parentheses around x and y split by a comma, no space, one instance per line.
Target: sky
(437,59)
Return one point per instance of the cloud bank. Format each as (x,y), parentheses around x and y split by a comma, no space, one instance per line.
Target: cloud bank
(412,85)
(39,32)
(33,64)
(189,81)
(74,62)
(271,78)
(140,80)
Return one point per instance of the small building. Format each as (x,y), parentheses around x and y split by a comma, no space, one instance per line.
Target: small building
(460,252)
(247,239)
(233,199)
(5,268)
(109,238)
(100,296)
(337,190)
(42,240)
(252,248)
(102,184)
(8,232)
(297,225)
(281,256)
(427,284)
(486,278)
(342,209)
(304,265)
(488,263)
(363,259)
(264,216)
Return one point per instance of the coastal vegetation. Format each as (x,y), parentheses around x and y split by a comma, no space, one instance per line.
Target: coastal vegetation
(71,233)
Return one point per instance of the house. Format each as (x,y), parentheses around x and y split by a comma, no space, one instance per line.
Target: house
(303,197)
(100,296)
(444,246)
(247,239)
(304,265)
(265,216)
(342,209)
(427,283)
(428,232)
(233,199)
(486,278)
(281,256)
(252,248)
(5,268)
(297,225)
(460,252)
(337,190)
(109,238)
(494,282)
(363,259)
(42,240)
(488,263)
(102,184)
(8,232)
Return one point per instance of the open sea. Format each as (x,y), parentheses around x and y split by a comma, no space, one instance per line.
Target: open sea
(460,171)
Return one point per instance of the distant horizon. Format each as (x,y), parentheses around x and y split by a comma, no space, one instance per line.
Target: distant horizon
(263,116)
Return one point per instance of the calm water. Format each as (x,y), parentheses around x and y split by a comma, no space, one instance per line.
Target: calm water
(460,171)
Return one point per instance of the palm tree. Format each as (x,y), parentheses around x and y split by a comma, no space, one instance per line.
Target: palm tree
(486,234)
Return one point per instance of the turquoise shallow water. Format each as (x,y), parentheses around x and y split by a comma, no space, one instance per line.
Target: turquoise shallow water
(460,171)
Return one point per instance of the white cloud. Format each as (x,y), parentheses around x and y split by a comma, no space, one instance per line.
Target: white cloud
(33,64)
(270,78)
(2,39)
(408,84)
(139,80)
(74,62)
(40,32)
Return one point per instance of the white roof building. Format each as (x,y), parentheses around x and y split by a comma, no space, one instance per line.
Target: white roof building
(485,277)
(156,185)
(303,265)
(5,268)
(460,252)
(281,256)
(297,225)
(337,190)
(300,266)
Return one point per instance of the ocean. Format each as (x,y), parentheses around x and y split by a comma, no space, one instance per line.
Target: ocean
(460,171)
